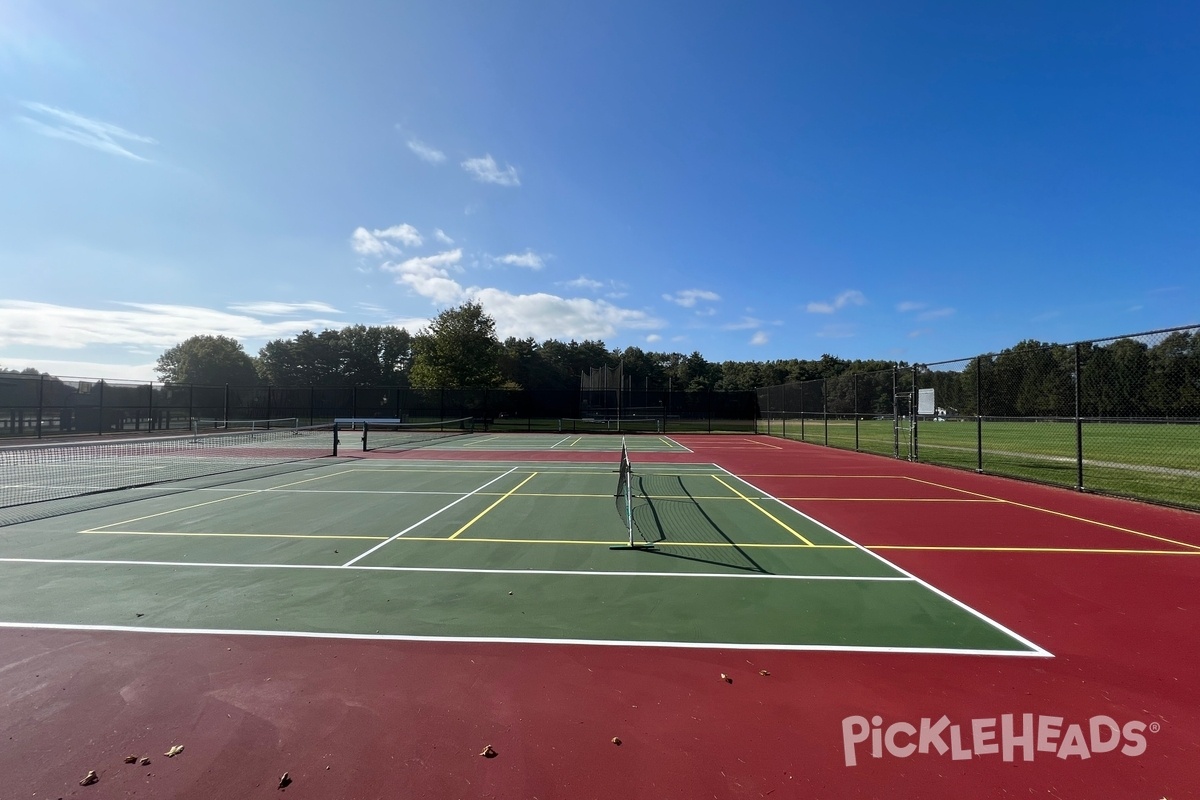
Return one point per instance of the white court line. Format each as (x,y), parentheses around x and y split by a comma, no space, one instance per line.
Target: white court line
(1040,651)
(560,441)
(431,516)
(399,637)
(464,570)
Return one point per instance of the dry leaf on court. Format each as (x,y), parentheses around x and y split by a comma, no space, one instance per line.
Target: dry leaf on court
(284,781)
(488,752)
(174,751)
(130,759)
(726,678)
(90,778)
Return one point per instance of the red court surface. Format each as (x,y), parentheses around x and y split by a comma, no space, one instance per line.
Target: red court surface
(363,719)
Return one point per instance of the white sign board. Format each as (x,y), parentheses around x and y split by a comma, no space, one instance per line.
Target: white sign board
(925,402)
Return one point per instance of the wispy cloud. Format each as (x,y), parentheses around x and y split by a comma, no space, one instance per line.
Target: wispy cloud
(425,152)
(441,236)
(937,313)
(906,306)
(136,325)
(528,260)
(837,331)
(760,338)
(689,297)
(583,282)
(376,242)
(59,124)
(485,170)
(271,308)
(850,297)
(744,324)
(652,338)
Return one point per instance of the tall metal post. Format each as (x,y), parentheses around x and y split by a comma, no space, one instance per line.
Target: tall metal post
(978,414)
(1078,424)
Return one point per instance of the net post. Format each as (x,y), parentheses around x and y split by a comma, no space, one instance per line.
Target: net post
(335,439)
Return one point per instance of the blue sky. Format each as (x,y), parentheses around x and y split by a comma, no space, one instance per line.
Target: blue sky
(750,180)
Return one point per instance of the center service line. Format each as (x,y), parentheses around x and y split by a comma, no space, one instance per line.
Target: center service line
(431,516)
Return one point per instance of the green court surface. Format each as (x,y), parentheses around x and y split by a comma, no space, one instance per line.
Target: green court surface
(460,550)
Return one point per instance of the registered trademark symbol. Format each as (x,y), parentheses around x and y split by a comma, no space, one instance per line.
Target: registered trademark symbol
(1155,727)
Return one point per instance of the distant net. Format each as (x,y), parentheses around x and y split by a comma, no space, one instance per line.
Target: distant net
(200,425)
(41,481)
(378,434)
(610,425)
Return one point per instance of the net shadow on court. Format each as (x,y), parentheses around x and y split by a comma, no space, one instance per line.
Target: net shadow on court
(665,512)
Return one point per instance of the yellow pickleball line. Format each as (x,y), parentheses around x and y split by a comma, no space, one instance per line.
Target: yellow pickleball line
(483,513)
(770,516)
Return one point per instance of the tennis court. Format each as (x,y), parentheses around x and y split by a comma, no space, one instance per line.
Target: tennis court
(486,550)
(720,604)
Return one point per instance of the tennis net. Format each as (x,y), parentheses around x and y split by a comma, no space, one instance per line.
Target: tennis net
(624,499)
(377,434)
(35,480)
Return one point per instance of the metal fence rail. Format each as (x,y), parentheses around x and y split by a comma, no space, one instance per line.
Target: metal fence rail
(1118,416)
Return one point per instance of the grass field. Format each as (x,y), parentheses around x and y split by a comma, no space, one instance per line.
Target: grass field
(1159,462)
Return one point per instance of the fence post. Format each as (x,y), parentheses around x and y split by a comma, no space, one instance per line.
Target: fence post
(41,395)
(895,415)
(978,413)
(312,407)
(150,408)
(268,415)
(1078,425)
(855,385)
(225,411)
(912,418)
(825,407)
(802,411)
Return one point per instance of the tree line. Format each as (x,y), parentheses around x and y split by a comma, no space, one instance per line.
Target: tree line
(459,349)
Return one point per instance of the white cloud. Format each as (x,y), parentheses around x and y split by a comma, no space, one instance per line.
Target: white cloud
(652,338)
(428,276)
(82,130)
(366,244)
(909,305)
(425,152)
(760,338)
(547,316)
(139,325)
(405,233)
(937,313)
(688,297)
(485,170)
(270,308)
(528,259)
(583,282)
(850,297)
(441,236)
(374,243)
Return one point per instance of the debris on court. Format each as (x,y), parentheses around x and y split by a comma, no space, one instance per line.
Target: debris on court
(90,778)
(488,752)
(616,740)
(726,678)
(145,761)
(130,759)
(764,673)
(174,751)
(285,781)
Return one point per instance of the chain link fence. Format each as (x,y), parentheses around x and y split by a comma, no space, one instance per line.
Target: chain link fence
(1117,416)
(45,406)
